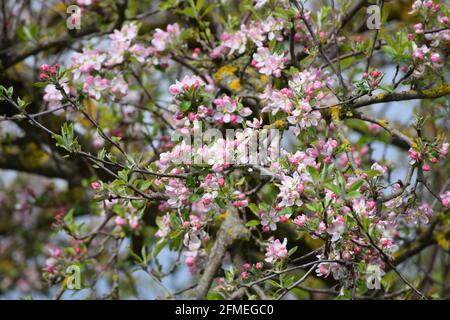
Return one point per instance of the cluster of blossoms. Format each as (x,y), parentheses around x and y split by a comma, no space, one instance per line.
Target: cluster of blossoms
(257,33)
(52,95)
(306,88)
(229,110)
(424,57)
(162,39)
(325,190)
(94,71)
(425,6)
(426,153)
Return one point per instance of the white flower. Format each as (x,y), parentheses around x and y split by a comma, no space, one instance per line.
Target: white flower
(374,274)
(336,229)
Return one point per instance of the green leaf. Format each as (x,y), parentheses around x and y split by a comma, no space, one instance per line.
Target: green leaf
(313,173)
(274,283)
(194,197)
(40,84)
(252,223)
(254,208)
(332,187)
(185,106)
(10,92)
(292,251)
(387,88)
(353,194)
(190,181)
(67,139)
(28,33)
(390,51)
(214,296)
(356,185)
(159,246)
(68,218)
(221,203)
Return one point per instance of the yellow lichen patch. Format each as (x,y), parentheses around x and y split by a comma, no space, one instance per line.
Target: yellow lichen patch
(33,156)
(279,124)
(442,241)
(335,114)
(224,215)
(230,232)
(264,78)
(235,85)
(383,123)
(347,144)
(224,71)
(438,91)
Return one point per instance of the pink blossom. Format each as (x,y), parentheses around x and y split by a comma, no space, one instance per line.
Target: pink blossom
(445,199)
(162,39)
(418,28)
(276,251)
(269,221)
(267,63)
(95,86)
(53,96)
(301,220)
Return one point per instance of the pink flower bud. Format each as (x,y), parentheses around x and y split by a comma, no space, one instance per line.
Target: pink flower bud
(95,185)
(190,261)
(120,221)
(426,167)
(45,68)
(233,119)
(375,73)
(174,90)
